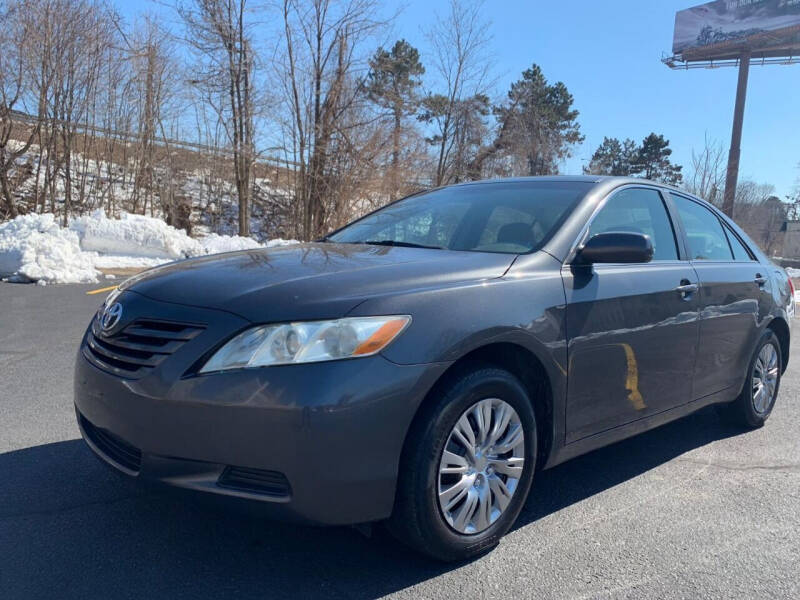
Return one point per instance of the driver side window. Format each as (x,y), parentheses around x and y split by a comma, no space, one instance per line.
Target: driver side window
(638,210)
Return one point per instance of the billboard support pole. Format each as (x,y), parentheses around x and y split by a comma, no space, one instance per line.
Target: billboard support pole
(732,177)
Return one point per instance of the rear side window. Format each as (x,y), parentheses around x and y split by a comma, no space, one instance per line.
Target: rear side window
(740,253)
(707,240)
(638,210)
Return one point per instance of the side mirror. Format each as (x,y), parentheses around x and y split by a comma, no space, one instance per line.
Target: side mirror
(616,247)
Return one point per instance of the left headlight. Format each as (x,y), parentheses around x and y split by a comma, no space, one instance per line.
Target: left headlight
(310,341)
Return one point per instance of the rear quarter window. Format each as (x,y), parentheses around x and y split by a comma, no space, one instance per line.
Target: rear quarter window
(740,251)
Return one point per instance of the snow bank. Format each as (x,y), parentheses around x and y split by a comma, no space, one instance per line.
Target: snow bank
(114,261)
(148,237)
(36,248)
(274,243)
(214,244)
(134,235)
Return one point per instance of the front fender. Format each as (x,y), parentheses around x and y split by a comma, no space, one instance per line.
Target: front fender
(525,308)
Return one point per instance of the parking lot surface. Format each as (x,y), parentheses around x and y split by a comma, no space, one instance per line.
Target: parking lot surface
(693,509)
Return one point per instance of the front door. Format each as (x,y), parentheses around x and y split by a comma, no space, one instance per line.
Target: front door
(632,329)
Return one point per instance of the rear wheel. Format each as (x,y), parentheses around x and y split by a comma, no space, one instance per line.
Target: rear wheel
(757,399)
(467,466)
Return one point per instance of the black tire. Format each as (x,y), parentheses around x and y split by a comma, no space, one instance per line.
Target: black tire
(742,411)
(417,519)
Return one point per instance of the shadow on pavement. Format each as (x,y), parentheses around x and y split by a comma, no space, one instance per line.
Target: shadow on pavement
(71,528)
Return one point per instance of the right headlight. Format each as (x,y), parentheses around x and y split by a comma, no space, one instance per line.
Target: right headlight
(308,341)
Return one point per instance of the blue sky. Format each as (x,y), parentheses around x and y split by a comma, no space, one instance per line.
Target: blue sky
(608,54)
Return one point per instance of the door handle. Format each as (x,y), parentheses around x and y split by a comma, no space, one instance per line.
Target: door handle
(686,288)
(760,280)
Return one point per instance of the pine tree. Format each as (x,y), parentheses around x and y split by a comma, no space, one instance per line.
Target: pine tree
(392,84)
(538,127)
(613,157)
(540,122)
(652,161)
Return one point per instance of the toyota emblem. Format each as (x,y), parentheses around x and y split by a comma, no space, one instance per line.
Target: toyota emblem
(111,316)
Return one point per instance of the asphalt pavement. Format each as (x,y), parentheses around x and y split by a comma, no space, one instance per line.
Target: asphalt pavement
(693,509)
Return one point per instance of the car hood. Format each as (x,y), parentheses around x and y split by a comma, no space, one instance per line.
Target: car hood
(310,281)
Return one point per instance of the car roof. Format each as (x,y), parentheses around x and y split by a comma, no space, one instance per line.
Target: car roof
(564,178)
(572,178)
(609,182)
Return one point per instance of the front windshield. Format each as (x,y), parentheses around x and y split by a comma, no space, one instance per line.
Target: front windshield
(510,217)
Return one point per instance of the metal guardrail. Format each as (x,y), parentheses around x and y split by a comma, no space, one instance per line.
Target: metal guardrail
(131,137)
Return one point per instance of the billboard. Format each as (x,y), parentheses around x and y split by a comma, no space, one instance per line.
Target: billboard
(731,23)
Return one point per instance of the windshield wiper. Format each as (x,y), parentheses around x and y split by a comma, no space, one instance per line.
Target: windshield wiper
(400,244)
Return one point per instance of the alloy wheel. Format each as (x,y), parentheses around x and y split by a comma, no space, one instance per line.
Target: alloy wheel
(481,465)
(765,379)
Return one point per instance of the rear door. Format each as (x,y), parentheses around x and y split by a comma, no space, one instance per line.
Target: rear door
(734,288)
(631,328)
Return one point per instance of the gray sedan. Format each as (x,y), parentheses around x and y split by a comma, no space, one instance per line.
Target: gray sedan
(418,366)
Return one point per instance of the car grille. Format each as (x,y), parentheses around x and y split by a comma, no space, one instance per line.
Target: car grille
(139,347)
(257,481)
(114,448)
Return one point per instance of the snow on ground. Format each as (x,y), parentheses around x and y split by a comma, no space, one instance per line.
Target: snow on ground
(36,248)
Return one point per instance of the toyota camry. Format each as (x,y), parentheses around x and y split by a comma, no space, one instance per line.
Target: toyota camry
(419,366)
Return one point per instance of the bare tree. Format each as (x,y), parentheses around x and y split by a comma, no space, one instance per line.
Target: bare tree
(82,31)
(761,214)
(152,84)
(320,80)
(707,177)
(218,32)
(460,57)
(115,118)
(25,79)
(794,200)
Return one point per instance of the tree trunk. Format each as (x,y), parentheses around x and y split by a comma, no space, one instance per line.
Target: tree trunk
(396,154)
(8,199)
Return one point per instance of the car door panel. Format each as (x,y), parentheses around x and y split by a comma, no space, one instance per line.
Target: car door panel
(729,324)
(632,341)
(632,328)
(732,303)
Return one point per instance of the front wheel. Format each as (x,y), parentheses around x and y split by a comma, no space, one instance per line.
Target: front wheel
(757,399)
(467,466)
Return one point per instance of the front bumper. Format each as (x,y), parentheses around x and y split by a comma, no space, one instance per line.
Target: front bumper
(333,430)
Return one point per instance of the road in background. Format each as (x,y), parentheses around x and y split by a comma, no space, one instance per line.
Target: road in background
(693,509)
